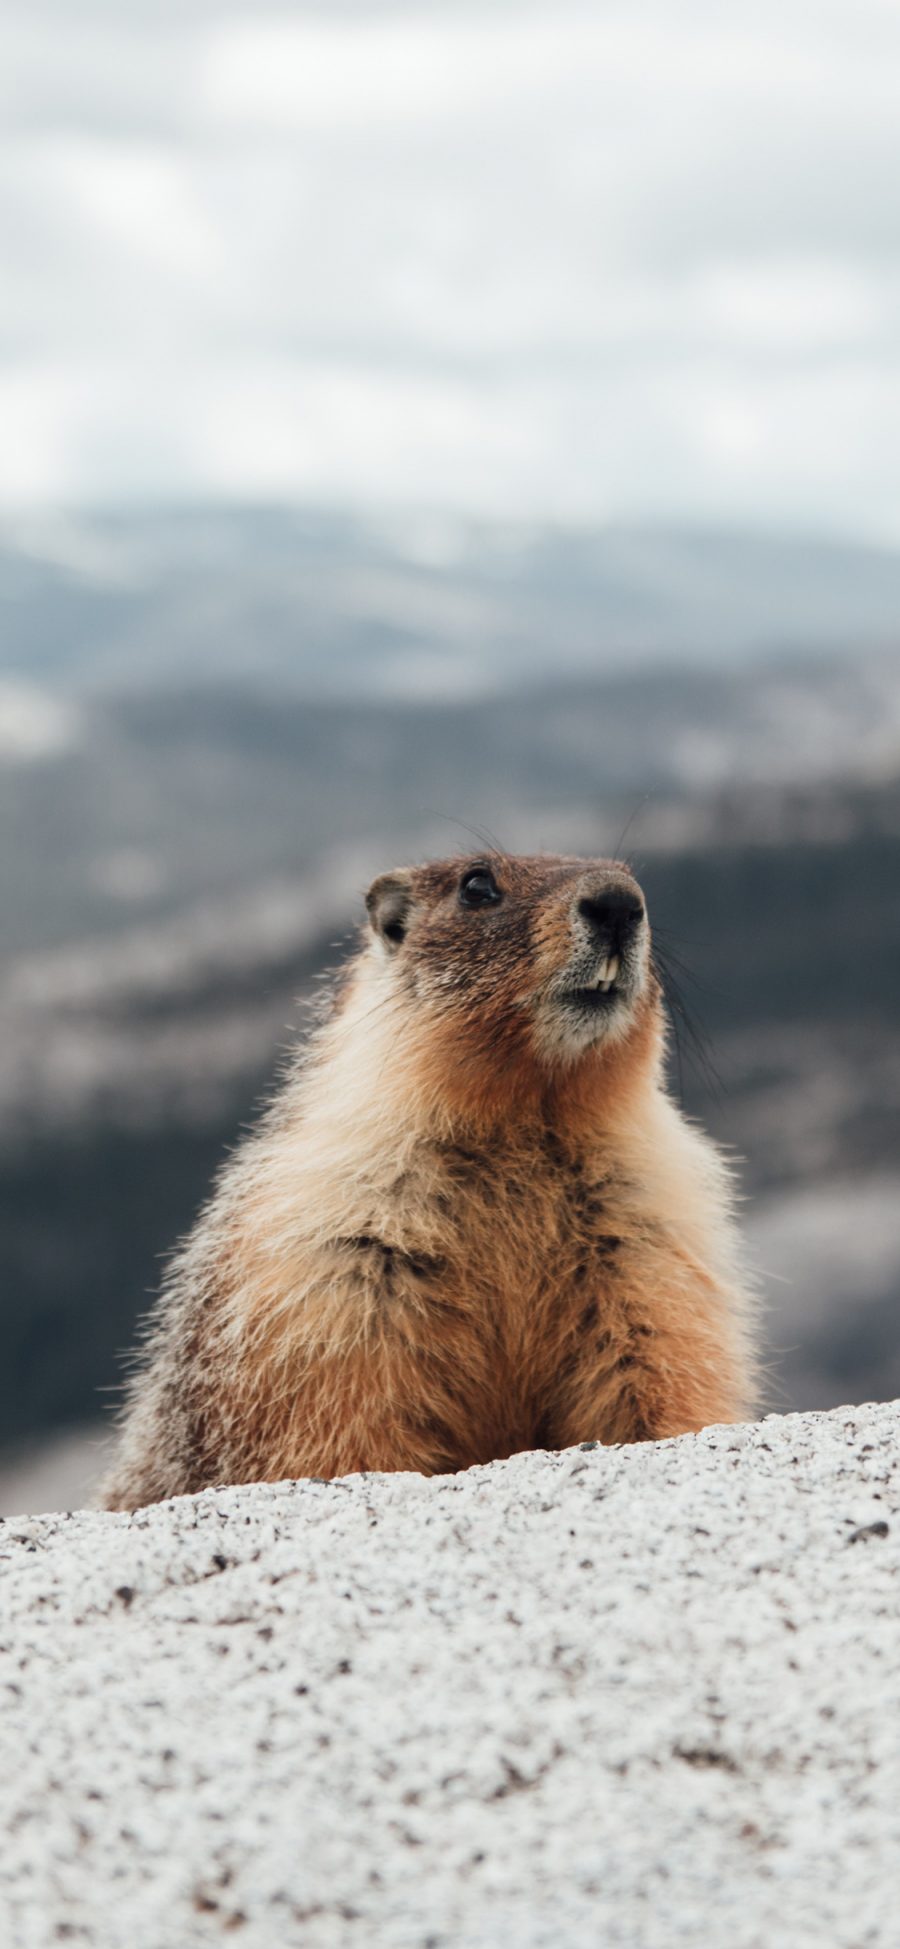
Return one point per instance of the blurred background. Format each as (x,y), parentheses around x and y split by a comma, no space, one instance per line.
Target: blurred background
(416,418)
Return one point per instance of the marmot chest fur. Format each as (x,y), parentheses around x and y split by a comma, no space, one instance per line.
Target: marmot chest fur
(473,1221)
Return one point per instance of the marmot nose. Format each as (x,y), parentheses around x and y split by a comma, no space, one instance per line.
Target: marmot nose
(612,915)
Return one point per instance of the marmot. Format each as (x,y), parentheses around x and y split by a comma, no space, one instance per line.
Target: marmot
(471,1222)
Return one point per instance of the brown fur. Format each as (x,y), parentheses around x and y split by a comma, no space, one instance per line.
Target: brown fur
(465,1227)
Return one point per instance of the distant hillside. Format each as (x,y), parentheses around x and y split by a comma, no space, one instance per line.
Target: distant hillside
(116,805)
(129,1065)
(335,605)
(215,728)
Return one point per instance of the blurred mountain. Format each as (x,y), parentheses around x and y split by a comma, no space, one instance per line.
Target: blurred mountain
(129,1064)
(423,605)
(215,729)
(115,806)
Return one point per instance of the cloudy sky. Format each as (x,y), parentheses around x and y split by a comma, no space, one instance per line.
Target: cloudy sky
(606,260)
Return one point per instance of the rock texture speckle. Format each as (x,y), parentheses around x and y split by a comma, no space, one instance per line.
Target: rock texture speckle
(638,1696)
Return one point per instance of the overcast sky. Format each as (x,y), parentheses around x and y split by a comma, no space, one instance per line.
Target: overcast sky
(570,260)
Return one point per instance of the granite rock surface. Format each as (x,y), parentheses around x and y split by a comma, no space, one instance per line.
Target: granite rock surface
(631,1697)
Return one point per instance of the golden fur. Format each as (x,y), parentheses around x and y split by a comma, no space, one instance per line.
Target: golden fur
(472,1222)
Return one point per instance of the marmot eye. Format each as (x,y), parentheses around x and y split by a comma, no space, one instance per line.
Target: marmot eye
(478,888)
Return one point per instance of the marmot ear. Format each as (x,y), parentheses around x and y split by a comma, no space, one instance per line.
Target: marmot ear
(388,903)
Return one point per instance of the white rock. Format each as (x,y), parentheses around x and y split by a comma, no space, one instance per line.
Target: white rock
(639,1696)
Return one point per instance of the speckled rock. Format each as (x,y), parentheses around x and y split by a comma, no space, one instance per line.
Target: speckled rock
(633,1696)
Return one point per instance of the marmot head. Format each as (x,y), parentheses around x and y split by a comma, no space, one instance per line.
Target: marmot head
(542,959)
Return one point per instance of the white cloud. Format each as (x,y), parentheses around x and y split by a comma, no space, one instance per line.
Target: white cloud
(33,725)
(796,305)
(537,256)
(707,437)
